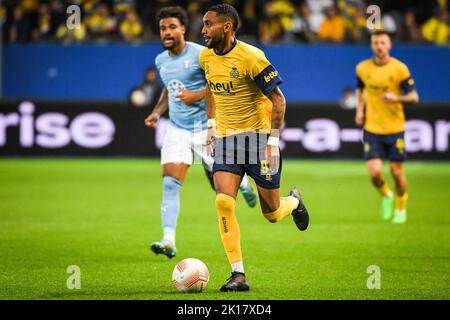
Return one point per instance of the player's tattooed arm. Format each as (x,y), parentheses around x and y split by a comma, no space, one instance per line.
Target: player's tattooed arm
(359,117)
(278,110)
(160,107)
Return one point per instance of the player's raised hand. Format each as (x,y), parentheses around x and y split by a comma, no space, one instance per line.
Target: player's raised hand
(188,97)
(389,97)
(152,120)
(273,158)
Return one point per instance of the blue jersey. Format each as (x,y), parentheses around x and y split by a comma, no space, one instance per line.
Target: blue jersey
(183,72)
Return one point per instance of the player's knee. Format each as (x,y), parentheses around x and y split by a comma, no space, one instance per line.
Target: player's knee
(396,171)
(171,184)
(375,173)
(225,203)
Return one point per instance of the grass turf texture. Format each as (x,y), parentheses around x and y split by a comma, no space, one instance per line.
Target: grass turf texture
(102,214)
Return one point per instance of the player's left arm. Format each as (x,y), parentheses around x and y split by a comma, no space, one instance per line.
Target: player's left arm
(410,97)
(407,86)
(268,80)
(278,111)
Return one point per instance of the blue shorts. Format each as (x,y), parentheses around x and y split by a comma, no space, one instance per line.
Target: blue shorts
(382,146)
(245,157)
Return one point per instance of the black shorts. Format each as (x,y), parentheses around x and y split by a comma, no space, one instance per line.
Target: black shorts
(245,153)
(382,146)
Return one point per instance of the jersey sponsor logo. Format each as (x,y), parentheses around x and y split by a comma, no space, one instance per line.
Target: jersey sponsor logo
(270,76)
(222,88)
(379,89)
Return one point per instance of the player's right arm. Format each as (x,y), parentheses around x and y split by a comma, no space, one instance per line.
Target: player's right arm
(211,112)
(359,117)
(160,107)
(190,97)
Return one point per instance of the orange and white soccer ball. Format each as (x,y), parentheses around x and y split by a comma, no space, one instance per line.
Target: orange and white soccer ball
(190,275)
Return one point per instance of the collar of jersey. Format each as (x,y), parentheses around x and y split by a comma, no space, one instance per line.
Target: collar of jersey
(225,52)
(182,53)
(381,65)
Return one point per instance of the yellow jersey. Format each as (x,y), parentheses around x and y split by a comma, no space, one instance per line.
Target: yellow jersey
(239,81)
(376,80)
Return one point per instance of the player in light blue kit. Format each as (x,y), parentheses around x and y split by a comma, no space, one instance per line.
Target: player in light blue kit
(184,95)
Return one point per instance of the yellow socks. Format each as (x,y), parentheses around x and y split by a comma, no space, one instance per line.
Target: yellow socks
(384,190)
(229,227)
(400,202)
(287,204)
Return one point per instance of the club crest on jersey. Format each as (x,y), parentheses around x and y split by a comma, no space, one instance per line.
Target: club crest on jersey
(234,73)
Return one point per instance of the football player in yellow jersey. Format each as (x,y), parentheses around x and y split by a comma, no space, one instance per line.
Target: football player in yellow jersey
(384,84)
(245,111)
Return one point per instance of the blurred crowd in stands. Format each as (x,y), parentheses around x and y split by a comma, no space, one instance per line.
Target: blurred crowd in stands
(262,21)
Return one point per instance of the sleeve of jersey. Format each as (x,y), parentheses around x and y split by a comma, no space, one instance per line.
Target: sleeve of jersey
(359,82)
(407,84)
(265,75)
(158,74)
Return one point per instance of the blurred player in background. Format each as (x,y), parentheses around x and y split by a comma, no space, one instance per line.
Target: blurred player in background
(183,94)
(384,84)
(243,99)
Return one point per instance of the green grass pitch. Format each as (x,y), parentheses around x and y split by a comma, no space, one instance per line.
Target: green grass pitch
(101,215)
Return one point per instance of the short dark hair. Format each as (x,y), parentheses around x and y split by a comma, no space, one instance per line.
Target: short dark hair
(174,12)
(228,11)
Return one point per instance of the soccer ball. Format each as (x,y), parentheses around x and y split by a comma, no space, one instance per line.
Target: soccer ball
(190,275)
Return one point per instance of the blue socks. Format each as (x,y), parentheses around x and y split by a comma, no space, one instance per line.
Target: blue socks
(170,207)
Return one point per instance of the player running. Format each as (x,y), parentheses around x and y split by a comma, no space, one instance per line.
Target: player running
(384,84)
(243,100)
(183,94)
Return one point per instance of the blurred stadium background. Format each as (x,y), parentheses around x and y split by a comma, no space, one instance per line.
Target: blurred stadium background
(69,94)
